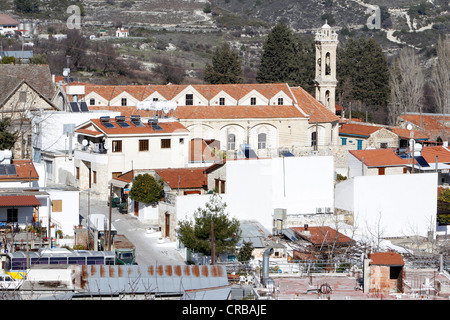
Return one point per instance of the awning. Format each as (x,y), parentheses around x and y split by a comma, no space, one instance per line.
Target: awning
(19,201)
(118,183)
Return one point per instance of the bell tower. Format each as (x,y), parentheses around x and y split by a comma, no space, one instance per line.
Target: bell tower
(326,44)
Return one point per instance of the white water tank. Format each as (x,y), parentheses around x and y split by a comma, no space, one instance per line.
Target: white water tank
(5,156)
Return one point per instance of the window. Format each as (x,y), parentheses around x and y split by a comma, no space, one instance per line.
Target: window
(165,143)
(155,99)
(280,101)
(314,139)
(22,96)
(359,144)
(117,146)
(78,173)
(124,101)
(383,145)
(143,145)
(12,215)
(262,138)
(222,101)
(231,145)
(189,99)
(92,102)
(219,185)
(181,140)
(344,141)
(94,176)
(56,205)
(253,101)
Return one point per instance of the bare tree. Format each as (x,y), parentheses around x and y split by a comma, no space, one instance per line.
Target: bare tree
(407,83)
(441,77)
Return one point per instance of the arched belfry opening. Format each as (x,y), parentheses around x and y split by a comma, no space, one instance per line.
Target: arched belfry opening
(326,44)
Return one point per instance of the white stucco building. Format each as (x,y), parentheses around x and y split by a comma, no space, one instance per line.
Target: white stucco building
(303,186)
(394,205)
(107,148)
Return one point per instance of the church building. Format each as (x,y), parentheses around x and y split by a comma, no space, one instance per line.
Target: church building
(263,120)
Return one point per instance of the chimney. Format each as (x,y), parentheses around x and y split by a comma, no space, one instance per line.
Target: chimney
(306,232)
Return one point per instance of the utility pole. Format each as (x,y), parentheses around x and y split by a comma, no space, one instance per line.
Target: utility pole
(110,214)
(213,246)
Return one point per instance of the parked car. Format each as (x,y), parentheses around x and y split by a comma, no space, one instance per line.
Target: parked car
(8,283)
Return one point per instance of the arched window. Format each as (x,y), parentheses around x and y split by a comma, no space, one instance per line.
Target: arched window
(314,139)
(231,142)
(262,139)
(327,64)
(327,99)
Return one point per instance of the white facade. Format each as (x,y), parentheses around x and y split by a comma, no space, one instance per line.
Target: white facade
(62,207)
(96,163)
(390,205)
(53,145)
(255,188)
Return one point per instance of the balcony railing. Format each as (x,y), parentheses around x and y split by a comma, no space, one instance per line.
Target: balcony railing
(93,148)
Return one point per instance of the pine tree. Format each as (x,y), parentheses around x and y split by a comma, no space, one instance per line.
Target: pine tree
(225,68)
(196,234)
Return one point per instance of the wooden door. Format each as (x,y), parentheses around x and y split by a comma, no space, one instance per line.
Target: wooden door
(136,208)
(167,223)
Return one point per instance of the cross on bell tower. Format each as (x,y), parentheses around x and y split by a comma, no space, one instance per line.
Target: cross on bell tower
(326,43)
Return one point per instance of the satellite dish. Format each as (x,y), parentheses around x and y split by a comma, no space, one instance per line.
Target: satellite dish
(85,142)
(409,126)
(105,146)
(65,73)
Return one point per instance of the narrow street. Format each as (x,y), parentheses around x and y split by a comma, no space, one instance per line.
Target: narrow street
(150,249)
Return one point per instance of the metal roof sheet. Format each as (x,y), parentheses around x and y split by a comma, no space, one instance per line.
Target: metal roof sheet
(206,281)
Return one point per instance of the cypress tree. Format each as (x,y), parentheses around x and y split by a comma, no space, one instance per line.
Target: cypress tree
(225,68)
(278,57)
(364,65)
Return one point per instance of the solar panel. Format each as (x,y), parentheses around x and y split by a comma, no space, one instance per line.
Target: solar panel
(157,127)
(153,123)
(123,124)
(138,123)
(2,170)
(11,169)
(74,107)
(421,161)
(84,107)
(108,125)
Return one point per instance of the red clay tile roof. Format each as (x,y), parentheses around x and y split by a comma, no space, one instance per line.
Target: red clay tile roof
(405,133)
(430,153)
(322,234)
(19,201)
(169,127)
(306,105)
(25,171)
(126,177)
(237,112)
(141,92)
(358,129)
(184,178)
(379,157)
(432,124)
(7,20)
(386,258)
(316,111)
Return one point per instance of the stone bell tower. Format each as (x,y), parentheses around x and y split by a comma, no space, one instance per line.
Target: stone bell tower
(325,80)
